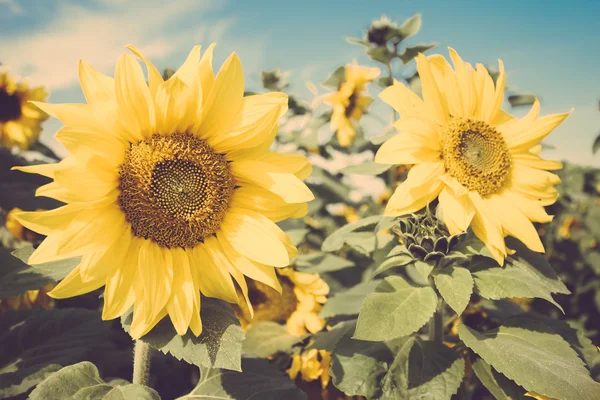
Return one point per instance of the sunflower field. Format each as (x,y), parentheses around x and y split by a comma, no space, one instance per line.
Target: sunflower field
(204,241)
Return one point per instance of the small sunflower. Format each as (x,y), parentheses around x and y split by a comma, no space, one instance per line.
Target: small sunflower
(171,190)
(29,300)
(311,365)
(350,102)
(481,163)
(298,306)
(20,121)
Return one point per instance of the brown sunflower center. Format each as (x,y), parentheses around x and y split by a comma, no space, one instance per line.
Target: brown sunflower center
(268,304)
(174,189)
(10,106)
(476,155)
(352,103)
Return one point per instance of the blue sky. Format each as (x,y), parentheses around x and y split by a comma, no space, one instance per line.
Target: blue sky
(548,47)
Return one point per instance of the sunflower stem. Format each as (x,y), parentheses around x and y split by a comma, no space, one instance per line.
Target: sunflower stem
(141,363)
(436,324)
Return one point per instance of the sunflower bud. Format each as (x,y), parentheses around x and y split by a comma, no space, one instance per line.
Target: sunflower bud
(381,31)
(425,237)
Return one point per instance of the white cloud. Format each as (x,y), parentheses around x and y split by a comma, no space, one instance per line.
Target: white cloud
(50,55)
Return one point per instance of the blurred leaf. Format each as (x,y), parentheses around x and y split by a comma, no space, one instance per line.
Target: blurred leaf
(363,242)
(380,54)
(473,247)
(499,386)
(321,262)
(394,261)
(535,357)
(44,150)
(396,308)
(366,168)
(168,73)
(385,81)
(518,100)
(410,27)
(524,274)
(335,79)
(260,380)
(349,301)
(325,185)
(357,41)
(407,368)
(327,340)
(82,381)
(411,52)
(596,145)
(379,139)
(336,240)
(297,235)
(16,277)
(36,343)
(455,284)
(265,338)
(219,345)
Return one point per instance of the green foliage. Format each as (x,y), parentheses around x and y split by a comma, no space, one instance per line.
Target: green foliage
(82,381)
(265,338)
(455,284)
(17,277)
(396,308)
(36,343)
(535,357)
(260,380)
(341,236)
(219,345)
(348,302)
(499,386)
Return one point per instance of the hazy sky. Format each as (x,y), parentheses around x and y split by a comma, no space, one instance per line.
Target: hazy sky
(549,47)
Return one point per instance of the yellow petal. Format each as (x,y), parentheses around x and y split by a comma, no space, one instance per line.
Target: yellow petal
(534,161)
(207,76)
(134,99)
(535,183)
(448,84)
(80,116)
(254,237)
(488,228)
(498,96)
(139,326)
(523,135)
(296,164)
(273,178)
(434,101)
(457,211)
(183,295)
(407,148)
(196,322)
(82,144)
(485,93)
(420,188)
(515,223)
(403,100)
(119,294)
(465,82)
(533,209)
(154,77)
(72,286)
(97,87)
(46,222)
(155,271)
(266,203)
(102,263)
(225,98)
(213,280)
(175,106)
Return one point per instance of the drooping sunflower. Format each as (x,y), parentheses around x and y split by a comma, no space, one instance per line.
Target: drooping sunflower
(20,121)
(298,306)
(350,101)
(171,190)
(480,162)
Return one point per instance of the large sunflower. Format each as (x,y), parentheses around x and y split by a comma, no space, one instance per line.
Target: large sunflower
(20,121)
(350,101)
(171,190)
(480,162)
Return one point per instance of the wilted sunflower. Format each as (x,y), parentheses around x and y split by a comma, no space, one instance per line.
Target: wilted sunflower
(302,297)
(480,161)
(350,102)
(171,190)
(20,121)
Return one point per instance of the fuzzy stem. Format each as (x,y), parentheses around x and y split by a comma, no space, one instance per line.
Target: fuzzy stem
(436,324)
(141,363)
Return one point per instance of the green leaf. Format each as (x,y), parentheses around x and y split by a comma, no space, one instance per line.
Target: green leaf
(473,247)
(396,308)
(596,145)
(82,381)
(265,338)
(518,100)
(525,274)
(366,168)
(406,368)
(535,357)
(499,386)
(325,185)
(410,27)
(385,81)
(357,41)
(335,79)
(260,380)
(424,269)
(411,52)
(36,343)
(380,54)
(219,345)
(327,340)
(455,284)
(363,242)
(349,301)
(321,262)
(337,239)
(394,261)
(297,235)
(16,277)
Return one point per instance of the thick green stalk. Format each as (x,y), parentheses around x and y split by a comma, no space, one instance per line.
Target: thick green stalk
(436,324)
(141,363)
